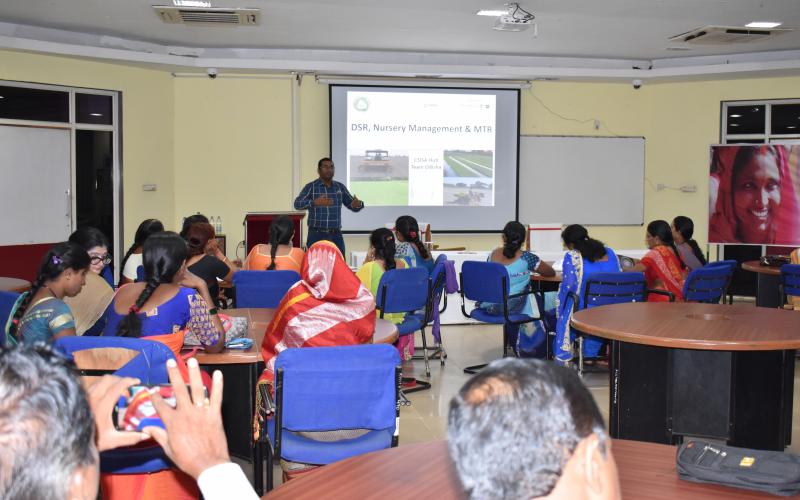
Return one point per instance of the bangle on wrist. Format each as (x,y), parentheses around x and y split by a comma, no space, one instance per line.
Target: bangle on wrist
(212,311)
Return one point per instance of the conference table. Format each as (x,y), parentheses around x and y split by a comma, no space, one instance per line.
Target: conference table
(424,471)
(686,369)
(14,285)
(768,279)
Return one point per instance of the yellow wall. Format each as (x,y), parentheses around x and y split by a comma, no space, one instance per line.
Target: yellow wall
(147,103)
(224,146)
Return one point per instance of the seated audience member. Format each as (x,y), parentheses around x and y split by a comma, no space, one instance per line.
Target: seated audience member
(88,306)
(381,257)
(53,430)
(168,301)
(584,257)
(662,265)
(96,245)
(192,219)
(682,231)
(328,307)
(279,253)
(530,429)
(40,314)
(205,260)
(409,247)
(520,264)
(133,257)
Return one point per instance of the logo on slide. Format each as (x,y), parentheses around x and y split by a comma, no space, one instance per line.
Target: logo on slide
(361,104)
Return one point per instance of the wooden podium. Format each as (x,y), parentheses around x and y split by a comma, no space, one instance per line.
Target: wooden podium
(256,228)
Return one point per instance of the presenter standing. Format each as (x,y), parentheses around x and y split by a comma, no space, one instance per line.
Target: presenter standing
(324,198)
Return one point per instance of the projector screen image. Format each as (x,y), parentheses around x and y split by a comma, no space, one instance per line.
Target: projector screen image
(427,152)
(753,194)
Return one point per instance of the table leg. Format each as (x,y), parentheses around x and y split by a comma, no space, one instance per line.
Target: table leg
(258,460)
(767,292)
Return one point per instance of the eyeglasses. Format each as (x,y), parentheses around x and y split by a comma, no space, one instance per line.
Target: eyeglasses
(106,259)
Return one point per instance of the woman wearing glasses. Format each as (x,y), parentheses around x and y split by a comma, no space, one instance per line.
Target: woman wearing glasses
(90,304)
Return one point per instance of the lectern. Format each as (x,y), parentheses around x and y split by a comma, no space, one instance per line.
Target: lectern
(256,228)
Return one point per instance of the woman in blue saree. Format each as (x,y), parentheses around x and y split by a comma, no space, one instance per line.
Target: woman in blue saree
(585,256)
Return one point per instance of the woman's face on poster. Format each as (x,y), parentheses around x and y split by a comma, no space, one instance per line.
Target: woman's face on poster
(757,197)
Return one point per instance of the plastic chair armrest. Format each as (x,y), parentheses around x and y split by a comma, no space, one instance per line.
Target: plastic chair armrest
(267,406)
(662,292)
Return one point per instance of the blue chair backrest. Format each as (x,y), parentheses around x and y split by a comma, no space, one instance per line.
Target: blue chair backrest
(345,387)
(440,259)
(139,274)
(262,288)
(7,301)
(600,289)
(149,366)
(725,263)
(402,290)
(707,284)
(108,275)
(790,279)
(484,281)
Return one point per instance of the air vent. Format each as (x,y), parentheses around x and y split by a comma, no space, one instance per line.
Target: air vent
(209,16)
(724,35)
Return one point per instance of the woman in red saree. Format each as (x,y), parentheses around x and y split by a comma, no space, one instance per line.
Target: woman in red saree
(662,266)
(328,307)
(755,198)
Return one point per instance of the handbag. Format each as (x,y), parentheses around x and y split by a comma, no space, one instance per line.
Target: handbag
(235,328)
(773,472)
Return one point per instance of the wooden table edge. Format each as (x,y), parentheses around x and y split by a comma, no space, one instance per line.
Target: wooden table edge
(755,267)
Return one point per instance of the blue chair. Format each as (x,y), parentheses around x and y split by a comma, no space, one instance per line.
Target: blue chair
(436,284)
(7,301)
(262,288)
(489,282)
(407,291)
(790,281)
(732,265)
(600,289)
(139,274)
(124,357)
(328,389)
(707,284)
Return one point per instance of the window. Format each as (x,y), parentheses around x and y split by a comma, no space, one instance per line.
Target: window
(754,122)
(20,103)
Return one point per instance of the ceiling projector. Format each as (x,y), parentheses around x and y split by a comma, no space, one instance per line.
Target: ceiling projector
(511,23)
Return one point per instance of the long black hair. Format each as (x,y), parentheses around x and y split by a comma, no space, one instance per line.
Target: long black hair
(145,229)
(685,227)
(661,230)
(514,233)
(62,256)
(577,237)
(280,233)
(382,240)
(408,227)
(162,256)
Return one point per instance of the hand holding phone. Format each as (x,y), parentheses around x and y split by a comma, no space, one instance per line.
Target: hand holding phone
(102,397)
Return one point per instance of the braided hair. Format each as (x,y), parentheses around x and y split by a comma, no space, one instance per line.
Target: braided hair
(577,237)
(280,233)
(408,227)
(145,229)
(514,234)
(382,240)
(163,256)
(62,256)
(661,230)
(685,227)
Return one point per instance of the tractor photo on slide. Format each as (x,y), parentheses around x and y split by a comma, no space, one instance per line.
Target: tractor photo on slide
(375,160)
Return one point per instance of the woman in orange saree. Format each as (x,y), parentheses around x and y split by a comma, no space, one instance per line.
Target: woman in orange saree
(662,266)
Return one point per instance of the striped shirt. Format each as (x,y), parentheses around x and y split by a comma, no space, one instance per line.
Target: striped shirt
(324,217)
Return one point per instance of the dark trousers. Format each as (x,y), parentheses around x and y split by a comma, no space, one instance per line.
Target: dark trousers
(335,238)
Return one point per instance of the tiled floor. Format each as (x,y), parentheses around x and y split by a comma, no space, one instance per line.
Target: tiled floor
(425,419)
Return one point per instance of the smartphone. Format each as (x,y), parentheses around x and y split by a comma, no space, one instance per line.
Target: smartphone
(135,411)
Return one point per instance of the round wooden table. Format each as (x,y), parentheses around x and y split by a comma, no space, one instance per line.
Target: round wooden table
(425,471)
(14,285)
(677,369)
(768,279)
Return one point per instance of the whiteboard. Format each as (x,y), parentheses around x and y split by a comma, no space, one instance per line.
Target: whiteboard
(35,205)
(581,180)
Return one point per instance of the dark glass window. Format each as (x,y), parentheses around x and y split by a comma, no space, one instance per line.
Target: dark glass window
(746,119)
(34,104)
(92,108)
(786,118)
